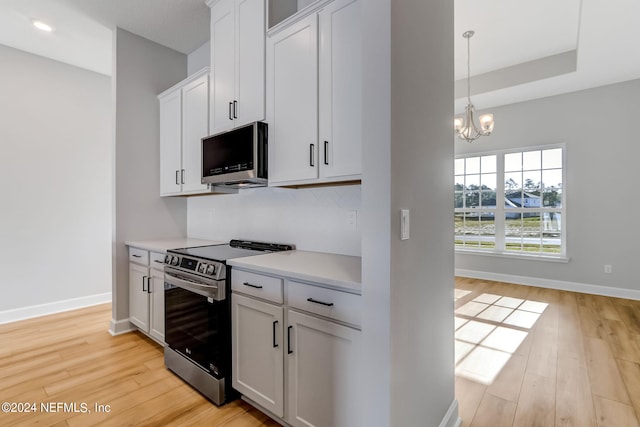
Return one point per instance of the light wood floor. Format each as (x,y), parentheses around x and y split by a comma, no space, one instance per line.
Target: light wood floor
(71,358)
(540,357)
(525,357)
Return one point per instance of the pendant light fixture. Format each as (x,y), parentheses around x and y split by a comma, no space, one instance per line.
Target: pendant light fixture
(465,126)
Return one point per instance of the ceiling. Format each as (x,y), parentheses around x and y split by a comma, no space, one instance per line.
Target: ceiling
(521,50)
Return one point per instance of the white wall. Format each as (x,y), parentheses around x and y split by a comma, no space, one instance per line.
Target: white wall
(143,69)
(315,219)
(602,152)
(55,166)
(199,58)
(408,162)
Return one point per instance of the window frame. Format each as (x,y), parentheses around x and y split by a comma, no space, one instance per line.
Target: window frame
(500,248)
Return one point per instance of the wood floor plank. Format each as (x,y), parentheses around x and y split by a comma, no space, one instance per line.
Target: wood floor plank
(603,371)
(614,414)
(574,402)
(473,393)
(536,406)
(494,412)
(631,376)
(508,383)
(622,343)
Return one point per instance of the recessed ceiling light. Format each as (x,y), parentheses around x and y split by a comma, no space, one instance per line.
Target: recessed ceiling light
(42,25)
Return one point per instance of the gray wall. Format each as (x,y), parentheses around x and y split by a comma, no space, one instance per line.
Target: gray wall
(408,164)
(143,69)
(598,127)
(55,169)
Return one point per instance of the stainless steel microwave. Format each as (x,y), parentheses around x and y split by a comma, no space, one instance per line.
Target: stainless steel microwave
(236,158)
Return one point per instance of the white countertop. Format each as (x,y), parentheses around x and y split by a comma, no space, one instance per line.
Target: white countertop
(340,271)
(163,245)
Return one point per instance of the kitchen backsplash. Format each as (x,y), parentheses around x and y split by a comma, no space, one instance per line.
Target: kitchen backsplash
(324,219)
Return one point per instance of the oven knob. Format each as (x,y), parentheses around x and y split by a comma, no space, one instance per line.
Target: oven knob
(210,270)
(175,260)
(167,259)
(202,268)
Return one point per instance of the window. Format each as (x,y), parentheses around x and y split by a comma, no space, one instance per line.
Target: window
(511,202)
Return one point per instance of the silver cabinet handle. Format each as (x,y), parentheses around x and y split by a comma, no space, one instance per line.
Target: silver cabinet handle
(182,176)
(326,153)
(143,279)
(149,284)
(235,109)
(230,107)
(177,179)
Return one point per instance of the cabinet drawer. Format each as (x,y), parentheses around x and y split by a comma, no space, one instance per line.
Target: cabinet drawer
(261,286)
(139,256)
(156,260)
(330,303)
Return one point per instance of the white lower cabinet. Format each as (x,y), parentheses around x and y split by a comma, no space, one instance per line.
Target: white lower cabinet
(146,292)
(257,351)
(322,360)
(293,362)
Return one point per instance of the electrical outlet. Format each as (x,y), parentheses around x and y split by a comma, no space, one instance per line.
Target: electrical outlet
(352,219)
(608,268)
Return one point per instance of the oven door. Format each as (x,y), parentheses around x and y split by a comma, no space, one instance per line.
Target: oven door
(196,323)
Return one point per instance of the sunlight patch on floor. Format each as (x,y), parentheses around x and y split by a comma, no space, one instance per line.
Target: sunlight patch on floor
(489,329)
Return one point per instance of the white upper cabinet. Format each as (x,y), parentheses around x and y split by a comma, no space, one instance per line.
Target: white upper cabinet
(170,143)
(184,121)
(195,126)
(314,110)
(292,97)
(340,90)
(237,63)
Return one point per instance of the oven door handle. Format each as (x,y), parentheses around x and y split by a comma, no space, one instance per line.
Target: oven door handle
(209,291)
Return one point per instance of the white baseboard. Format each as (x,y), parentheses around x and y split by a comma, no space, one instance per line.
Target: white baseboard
(584,288)
(23,313)
(451,418)
(118,327)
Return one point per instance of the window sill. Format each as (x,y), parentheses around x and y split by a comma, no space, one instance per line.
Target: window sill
(531,257)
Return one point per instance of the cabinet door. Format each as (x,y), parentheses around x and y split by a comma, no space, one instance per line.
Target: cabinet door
(195,126)
(323,380)
(340,109)
(170,143)
(249,35)
(292,102)
(257,349)
(138,296)
(156,316)
(222,66)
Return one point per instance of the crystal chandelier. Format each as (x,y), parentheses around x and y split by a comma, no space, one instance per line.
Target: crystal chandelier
(465,127)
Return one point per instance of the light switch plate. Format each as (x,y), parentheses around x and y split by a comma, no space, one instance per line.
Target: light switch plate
(404,224)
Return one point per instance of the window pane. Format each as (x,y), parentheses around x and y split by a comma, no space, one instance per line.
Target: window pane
(551,232)
(552,198)
(552,158)
(513,199)
(512,162)
(487,231)
(531,181)
(488,180)
(459,167)
(531,160)
(457,199)
(513,231)
(488,199)
(458,225)
(472,182)
(552,178)
(472,199)
(470,230)
(473,165)
(458,183)
(488,164)
(531,237)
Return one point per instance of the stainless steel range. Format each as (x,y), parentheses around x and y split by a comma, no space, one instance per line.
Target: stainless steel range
(198,313)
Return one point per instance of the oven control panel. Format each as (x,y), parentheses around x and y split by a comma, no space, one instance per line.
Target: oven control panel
(206,268)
